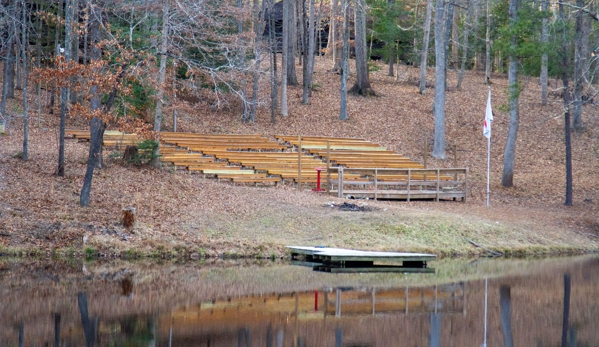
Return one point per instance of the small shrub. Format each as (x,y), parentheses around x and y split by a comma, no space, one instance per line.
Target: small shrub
(144,153)
(90,253)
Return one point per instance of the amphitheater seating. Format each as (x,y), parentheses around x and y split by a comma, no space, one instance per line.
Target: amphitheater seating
(257,159)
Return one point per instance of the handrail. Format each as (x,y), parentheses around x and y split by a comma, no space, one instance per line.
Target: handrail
(372,176)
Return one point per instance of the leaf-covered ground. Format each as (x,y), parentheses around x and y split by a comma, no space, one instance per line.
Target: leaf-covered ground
(190,215)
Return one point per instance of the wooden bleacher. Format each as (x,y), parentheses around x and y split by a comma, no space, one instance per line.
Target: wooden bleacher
(344,163)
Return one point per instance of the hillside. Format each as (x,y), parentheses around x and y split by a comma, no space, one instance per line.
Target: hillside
(180,213)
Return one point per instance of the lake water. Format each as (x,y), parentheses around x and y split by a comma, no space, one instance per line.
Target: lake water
(529,302)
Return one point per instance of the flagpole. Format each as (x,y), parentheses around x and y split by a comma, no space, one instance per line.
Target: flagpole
(488,166)
(488,160)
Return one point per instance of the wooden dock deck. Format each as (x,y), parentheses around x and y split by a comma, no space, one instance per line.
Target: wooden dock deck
(340,260)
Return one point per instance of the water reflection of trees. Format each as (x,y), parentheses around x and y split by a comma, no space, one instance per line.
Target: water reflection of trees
(115,311)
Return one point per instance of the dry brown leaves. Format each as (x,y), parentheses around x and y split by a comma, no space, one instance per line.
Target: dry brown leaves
(40,209)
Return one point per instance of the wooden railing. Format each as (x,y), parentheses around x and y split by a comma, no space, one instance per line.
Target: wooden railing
(403,184)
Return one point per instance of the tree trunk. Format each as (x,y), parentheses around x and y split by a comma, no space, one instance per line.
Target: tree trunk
(161,80)
(10,66)
(57,45)
(303,34)
(424,53)
(488,47)
(393,49)
(24,39)
(273,44)
(564,49)
(285,58)
(447,37)
(579,64)
(465,42)
(509,154)
(38,58)
(544,58)
(97,126)
(331,50)
(455,39)
(257,16)
(291,74)
(439,105)
(64,91)
(8,71)
(75,49)
(307,92)
(318,38)
(362,85)
(505,302)
(343,115)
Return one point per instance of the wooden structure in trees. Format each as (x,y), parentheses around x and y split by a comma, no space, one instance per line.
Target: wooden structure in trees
(354,168)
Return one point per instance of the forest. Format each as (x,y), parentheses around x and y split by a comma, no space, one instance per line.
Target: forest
(149,66)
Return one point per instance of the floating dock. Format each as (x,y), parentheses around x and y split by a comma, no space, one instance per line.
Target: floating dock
(347,260)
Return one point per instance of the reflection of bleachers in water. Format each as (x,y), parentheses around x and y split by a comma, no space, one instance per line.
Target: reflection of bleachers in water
(314,305)
(448,299)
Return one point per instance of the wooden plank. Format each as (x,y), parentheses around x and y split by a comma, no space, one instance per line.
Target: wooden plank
(343,254)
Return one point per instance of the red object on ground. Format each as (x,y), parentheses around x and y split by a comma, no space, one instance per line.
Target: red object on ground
(316,300)
(318,189)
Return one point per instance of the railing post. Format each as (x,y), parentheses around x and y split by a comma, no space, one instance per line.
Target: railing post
(299,162)
(409,182)
(328,167)
(465,183)
(340,182)
(375,183)
(438,172)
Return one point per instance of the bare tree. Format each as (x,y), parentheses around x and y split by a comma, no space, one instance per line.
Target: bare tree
(285,58)
(292,49)
(467,24)
(509,153)
(579,64)
(564,49)
(309,63)
(343,115)
(362,84)
(274,79)
(331,50)
(64,90)
(544,58)
(8,82)
(424,53)
(24,44)
(439,103)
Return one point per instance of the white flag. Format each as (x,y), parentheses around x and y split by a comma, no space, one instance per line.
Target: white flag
(488,118)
